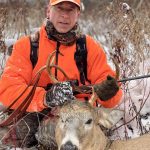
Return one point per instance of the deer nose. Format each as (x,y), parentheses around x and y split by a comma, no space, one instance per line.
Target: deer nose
(68,146)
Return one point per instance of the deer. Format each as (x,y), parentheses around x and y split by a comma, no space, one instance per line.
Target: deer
(76,126)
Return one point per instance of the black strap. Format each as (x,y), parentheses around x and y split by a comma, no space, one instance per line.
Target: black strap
(34,52)
(81,58)
(57,52)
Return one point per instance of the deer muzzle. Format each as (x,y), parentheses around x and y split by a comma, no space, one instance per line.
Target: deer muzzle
(69,146)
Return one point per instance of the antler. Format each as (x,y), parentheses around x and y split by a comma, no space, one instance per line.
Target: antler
(50,61)
(93,97)
(50,65)
(117,68)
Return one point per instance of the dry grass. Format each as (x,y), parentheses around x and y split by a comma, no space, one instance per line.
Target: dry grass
(18,18)
(3,18)
(22,17)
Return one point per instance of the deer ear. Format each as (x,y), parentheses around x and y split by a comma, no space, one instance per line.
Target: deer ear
(109,117)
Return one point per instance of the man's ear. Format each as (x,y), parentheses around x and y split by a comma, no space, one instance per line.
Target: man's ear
(108,117)
(79,12)
(47,11)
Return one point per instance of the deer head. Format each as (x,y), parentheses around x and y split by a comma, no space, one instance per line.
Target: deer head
(78,126)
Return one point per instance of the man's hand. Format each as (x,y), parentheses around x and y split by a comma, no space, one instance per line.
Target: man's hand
(59,94)
(107,89)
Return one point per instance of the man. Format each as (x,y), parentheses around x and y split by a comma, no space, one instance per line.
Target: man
(59,33)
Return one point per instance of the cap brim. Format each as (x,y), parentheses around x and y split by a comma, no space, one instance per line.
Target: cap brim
(59,1)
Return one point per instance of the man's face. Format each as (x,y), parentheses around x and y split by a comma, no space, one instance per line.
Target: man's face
(63,16)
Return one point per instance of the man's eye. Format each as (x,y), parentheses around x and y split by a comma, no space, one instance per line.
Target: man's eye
(70,10)
(58,8)
(89,121)
(62,120)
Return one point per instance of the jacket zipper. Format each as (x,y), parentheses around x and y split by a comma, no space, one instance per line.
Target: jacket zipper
(57,52)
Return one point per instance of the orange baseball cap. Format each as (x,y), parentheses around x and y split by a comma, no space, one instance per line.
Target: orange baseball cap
(54,2)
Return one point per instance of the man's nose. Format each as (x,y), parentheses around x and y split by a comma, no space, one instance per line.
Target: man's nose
(68,146)
(65,15)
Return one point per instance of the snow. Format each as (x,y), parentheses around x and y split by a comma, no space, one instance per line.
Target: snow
(9,42)
(136,99)
(4,56)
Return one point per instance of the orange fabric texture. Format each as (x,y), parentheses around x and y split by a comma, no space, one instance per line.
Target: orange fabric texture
(54,2)
(18,71)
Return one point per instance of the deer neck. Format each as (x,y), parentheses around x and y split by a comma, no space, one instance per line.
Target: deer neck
(98,141)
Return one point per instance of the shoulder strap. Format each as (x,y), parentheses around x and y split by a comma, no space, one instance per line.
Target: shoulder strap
(34,45)
(81,58)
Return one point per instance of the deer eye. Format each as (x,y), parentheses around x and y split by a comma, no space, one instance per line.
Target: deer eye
(62,120)
(89,121)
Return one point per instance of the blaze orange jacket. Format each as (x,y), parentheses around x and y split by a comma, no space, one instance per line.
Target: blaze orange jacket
(19,71)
